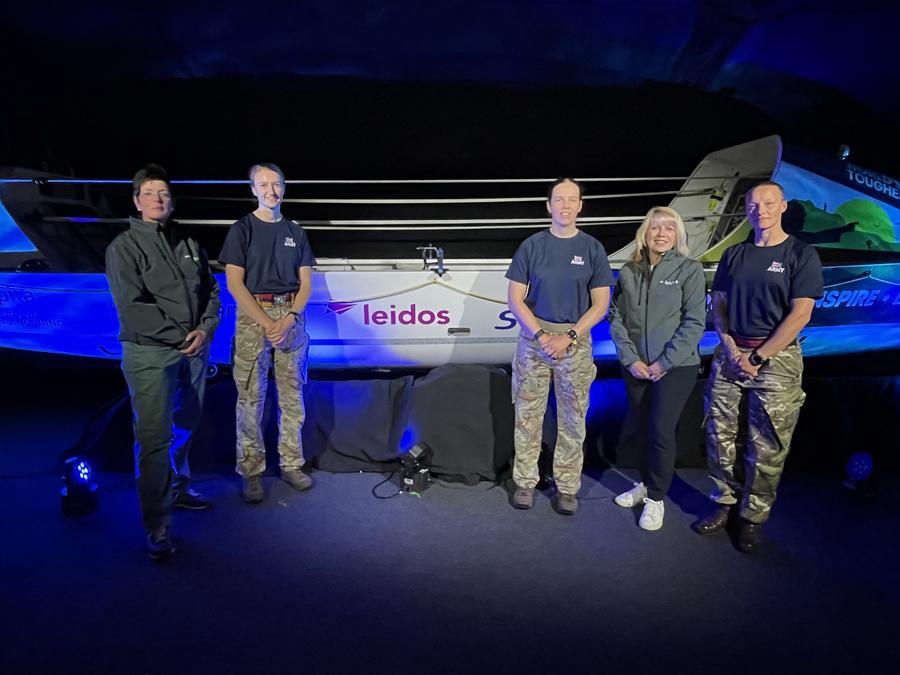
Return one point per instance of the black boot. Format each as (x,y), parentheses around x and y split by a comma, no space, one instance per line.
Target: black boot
(714,522)
(748,539)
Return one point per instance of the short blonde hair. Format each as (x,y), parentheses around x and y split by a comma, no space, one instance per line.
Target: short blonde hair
(660,213)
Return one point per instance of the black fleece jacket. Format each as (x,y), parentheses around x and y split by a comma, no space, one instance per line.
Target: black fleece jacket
(161,284)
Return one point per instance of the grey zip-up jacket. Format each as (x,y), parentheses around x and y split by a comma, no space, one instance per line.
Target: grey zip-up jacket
(659,315)
(162,290)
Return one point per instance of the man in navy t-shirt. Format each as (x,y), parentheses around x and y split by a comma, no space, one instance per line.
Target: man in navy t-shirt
(763,295)
(559,286)
(268,266)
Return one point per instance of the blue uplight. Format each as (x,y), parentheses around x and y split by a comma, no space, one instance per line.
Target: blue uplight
(407,440)
(79,493)
(83,471)
(860,466)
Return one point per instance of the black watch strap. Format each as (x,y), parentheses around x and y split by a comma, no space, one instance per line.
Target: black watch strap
(572,334)
(756,360)
(538,333)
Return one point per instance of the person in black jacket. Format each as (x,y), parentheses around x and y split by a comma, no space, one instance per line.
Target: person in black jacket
(168,306)
(656,321)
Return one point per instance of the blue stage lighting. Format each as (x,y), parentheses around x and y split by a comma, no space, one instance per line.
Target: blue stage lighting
(407,440)
(83,471)
(860,466)
(79,492)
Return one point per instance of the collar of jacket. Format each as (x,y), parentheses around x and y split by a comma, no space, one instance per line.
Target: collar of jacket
(144,227)
(664,259)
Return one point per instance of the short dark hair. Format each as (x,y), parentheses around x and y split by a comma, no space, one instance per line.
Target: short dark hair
(765,183)
(560,181)
(148,173)
(265,165)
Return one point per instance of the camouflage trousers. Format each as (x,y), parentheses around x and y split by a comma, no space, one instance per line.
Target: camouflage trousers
(252,357)
(571,375)
(756,417)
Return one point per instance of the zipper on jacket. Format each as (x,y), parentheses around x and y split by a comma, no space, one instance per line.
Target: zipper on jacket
(647,309)
(650,272)
(161,237)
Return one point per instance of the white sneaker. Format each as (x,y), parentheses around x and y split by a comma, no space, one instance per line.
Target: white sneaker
(652,515)
(633,497)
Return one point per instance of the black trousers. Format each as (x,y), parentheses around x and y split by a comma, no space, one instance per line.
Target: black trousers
(654,411)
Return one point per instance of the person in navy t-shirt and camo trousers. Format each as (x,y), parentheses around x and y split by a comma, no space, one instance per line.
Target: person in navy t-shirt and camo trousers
(268,266)
(559,288)
(763,295)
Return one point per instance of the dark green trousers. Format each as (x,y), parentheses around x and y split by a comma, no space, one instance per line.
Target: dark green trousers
(166,389)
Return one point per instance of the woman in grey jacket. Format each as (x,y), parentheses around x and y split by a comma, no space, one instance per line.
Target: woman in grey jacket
(657,317)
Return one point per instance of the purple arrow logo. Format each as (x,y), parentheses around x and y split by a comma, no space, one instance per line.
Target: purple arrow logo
(339,307)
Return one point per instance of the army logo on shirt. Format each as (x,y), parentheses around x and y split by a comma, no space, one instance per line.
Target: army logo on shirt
(289,241)
(776,267)
(577,260)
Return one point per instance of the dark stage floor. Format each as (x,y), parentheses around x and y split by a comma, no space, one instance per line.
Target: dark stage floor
(336,581)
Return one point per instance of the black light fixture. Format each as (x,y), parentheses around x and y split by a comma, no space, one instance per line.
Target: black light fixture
(79,491)
(416,476)
(861,474)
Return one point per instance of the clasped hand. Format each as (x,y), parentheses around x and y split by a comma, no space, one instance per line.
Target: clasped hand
(555,346)
(641,371)
(277,333)
(195,341)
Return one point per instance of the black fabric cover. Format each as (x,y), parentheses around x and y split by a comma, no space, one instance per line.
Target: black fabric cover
(356,425)
(464,414)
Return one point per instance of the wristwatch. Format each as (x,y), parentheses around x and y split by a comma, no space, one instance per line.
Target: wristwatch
(538,333)
(756,360)
(294,313)
(573,336)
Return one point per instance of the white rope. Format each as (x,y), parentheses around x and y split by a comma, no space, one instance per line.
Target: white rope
(402,225)
(387,225)
(861,277)
(430,282)
(427,181)
(501,301)
(461,200)
(380,296)
(453,181)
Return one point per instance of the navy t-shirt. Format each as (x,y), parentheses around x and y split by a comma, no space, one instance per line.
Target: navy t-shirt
(560,274)
(761,281)
(270,253)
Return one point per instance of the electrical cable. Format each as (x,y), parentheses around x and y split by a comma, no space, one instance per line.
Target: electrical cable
(378,485)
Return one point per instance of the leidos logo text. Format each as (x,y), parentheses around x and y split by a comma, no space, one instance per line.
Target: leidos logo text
(411,316)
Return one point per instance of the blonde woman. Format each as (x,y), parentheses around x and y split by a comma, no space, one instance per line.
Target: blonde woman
(656,320)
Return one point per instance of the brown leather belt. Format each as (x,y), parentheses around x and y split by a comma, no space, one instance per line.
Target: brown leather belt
(274,299)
